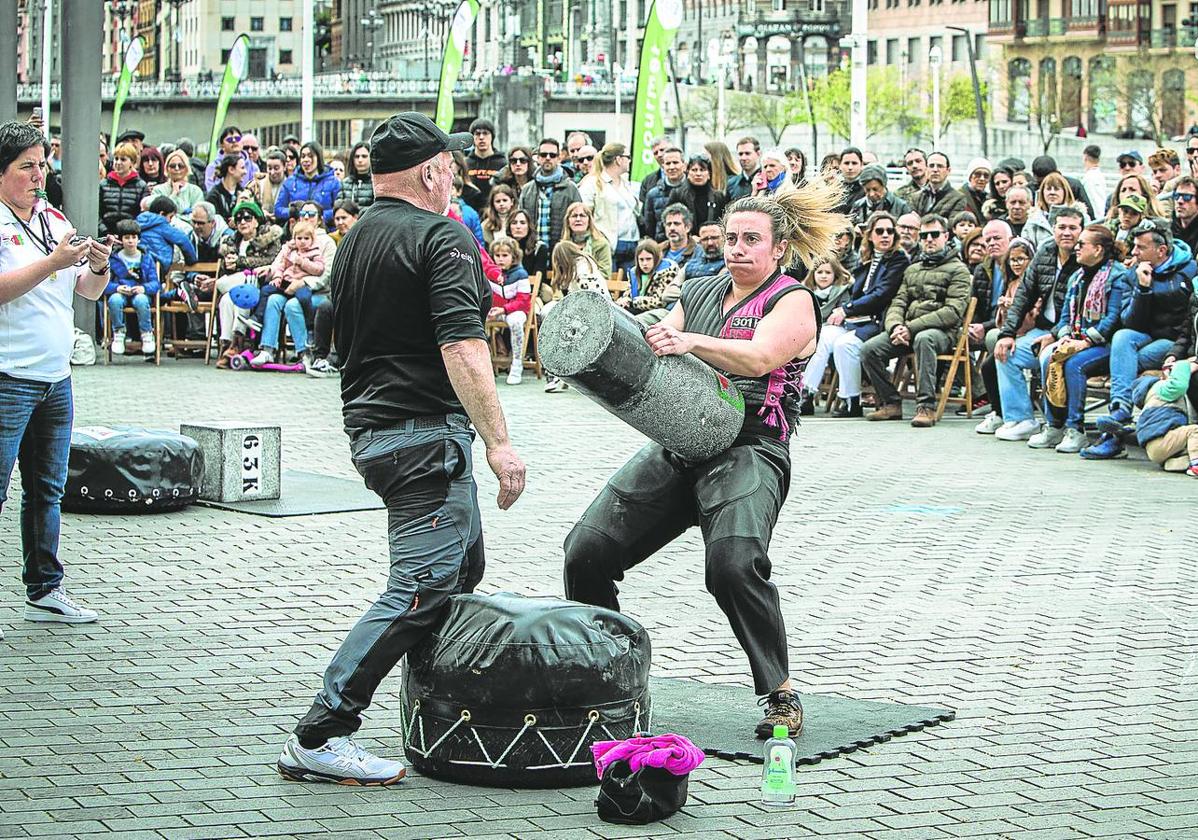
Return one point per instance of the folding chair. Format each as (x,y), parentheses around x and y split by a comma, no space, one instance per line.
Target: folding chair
(617,286)
(532,353)
(960,356)
(207,308)
(155,318)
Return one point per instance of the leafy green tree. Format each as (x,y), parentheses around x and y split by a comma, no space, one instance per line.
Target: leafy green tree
(889,105)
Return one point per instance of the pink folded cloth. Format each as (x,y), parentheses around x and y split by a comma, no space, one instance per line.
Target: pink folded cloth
(673,753)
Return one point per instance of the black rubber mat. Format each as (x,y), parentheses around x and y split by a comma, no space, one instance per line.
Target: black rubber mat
(305,493)
(721,720)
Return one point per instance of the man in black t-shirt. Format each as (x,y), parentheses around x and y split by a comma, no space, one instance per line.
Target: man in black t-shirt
(410,303)
(483,162)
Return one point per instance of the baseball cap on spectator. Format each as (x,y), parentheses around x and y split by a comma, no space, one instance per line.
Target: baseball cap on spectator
(1012,163)
(251,206)
(482,125)
(411,138)
(1130,154)
(131,134)
(873,172)
(1160,226)
(1135,202)
(290,138)
(976,164)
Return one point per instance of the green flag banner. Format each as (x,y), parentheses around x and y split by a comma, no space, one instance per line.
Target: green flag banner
(665,16)
(451,63)
(235,70)
(133,56)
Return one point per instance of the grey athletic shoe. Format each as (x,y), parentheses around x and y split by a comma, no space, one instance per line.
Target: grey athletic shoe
(338,760)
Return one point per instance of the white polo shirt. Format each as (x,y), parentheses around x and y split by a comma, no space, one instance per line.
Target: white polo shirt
(37,329)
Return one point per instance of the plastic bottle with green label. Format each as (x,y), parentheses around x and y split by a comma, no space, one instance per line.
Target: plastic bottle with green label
(778,774)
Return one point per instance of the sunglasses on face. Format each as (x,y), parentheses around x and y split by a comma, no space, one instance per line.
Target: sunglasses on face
(548,154)
(250,148)
(884,231)
(1185,197)
(1193,151)
(517,160)
(241,217)
(931,234)
(1126,164)
(175,167)
(307,214)
(232,138)
(585,158)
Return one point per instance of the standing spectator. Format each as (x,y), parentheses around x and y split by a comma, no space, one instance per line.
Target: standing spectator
(518,171)
(613,202)
(771,178)
(995,206)
(1019,208)
(748,152)
(1166,169)
(267,185)
(134,137)
(575,140)
(357,186)
(313,182)
(230,144)
(536,253)
(922,319)
(500,203)
(1185,212)
(1054,193)
(723,165)
(178,186)
(581,230)
(337,166)
(583,160)
(673,174)
(708,260)
(253,151)
(859,318)
(1093,180)
(1135,185)
(851,165)
(1192,155)
(938,196)
(547,196)
(122,189)
(797,165)
(292,155)
(40,274)
(876,197)
(484,162)
(657,148)
(223,194)
(916,163)
(345,216)
(1042,292)
(1130,162)
(470,192)
(977,179)
(133,282)
(704,201)
(1153,317)
(1045,165)
(151,167)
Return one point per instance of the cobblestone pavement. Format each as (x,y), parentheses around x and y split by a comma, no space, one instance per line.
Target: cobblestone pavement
(1051,602)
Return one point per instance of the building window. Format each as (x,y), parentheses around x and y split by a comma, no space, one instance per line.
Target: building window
(284,56)
(256,24)
(224,57)
(228,24)
(913,51)
(871,52)
(817,6)
(284,24)
(979,46)
(892,51)
(960,50)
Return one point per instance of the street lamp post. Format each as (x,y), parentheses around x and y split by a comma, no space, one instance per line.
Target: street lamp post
(307,57)
(857,108)
(977,88)
(935,56)
(372,22)
(177,71)
(47,60)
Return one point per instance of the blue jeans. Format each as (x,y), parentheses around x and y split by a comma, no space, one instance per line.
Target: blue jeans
(1016,400)
(35,430)
(297,310)
(1131,352)
(1078,368)
(140,303)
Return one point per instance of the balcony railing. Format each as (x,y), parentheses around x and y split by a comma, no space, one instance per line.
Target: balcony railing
(1036,28)
(1173,36)
(1056,26)
(1079,22)
(1123,37)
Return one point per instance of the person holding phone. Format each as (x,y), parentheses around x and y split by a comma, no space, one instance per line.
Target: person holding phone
(43,265)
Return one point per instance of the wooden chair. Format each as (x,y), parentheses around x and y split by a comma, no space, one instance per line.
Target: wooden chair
(155,318)
(205,307)
(958,357)
(501,360)
(617,285)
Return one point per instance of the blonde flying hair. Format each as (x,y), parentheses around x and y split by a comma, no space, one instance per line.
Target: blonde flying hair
(803,217)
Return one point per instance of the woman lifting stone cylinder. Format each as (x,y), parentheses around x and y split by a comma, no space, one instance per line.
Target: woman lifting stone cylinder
(755,325)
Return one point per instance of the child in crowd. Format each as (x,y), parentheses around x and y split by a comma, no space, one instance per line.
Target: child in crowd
(831,285)
(133,282)
(300,260)
(573,271)
(512,299)
(650,282)
(1163,427)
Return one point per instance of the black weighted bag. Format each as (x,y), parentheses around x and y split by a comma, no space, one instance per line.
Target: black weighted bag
(118,469)
(512,691)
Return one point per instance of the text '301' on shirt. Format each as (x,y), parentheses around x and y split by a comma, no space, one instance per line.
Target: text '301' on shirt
(405,282)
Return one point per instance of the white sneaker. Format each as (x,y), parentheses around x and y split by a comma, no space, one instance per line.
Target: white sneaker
(265,356)
(515,376)
(1022,430)
(338,760)
(1047,438)
(118,342)
(147,344)
(319,369)
(553,385)
(58,606)
(1074,441)
(990,425)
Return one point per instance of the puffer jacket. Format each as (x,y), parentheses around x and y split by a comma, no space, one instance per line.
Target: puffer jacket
(120,274)
(1099,330)
(983,289)
(1161,310)
(323,189)
(1163,402)
(873,302)
(1045,282)
(159,237)
(1187,340)
(358,190)
(120,198)
(262,249)
(652,223)
(934,294)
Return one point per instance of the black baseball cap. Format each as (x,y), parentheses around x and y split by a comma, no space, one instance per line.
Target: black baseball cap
(131,134)
(410,138)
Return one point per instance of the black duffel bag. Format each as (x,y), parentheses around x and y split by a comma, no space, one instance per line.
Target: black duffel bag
(119,469)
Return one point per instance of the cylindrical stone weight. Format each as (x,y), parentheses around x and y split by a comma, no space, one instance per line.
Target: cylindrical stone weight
(678,401)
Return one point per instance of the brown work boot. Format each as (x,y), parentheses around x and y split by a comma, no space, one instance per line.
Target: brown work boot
(925,418)
(781,707)
(889,411)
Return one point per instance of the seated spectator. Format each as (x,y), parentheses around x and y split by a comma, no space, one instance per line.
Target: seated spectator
(1053,194)
(1133,184)
(121,189)
(313,181)
(977,179)
(178,186)
(160,236)
(133,282)
(511,300)
(705,202)
(501,202)
(1013,268)
(1165,166)
(1163,427)
(908,235)
(1186,349)
(1083,331)
(962,224)
(252,248)
(1127,214)
(1045,165)
(1153,317)
(995,205)
(223,194)
(210,231)
(1185,212)
(972,250)
(830,284)
(1042,292)
(580,229)
(296,269)
(471,193)
(708,260)
(876,197)
(651,282)
(469,215)
(573,271)
(922,319)
(679,244)
(151,167)
(1019,208)
(843,250)
(859,317)
(536,253)
(345,216)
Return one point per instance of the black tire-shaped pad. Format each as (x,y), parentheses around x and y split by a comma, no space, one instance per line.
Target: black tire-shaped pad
(119,469)
(513,691)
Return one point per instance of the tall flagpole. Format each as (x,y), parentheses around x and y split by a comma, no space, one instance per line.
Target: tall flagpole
(307,127)
(47,60)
